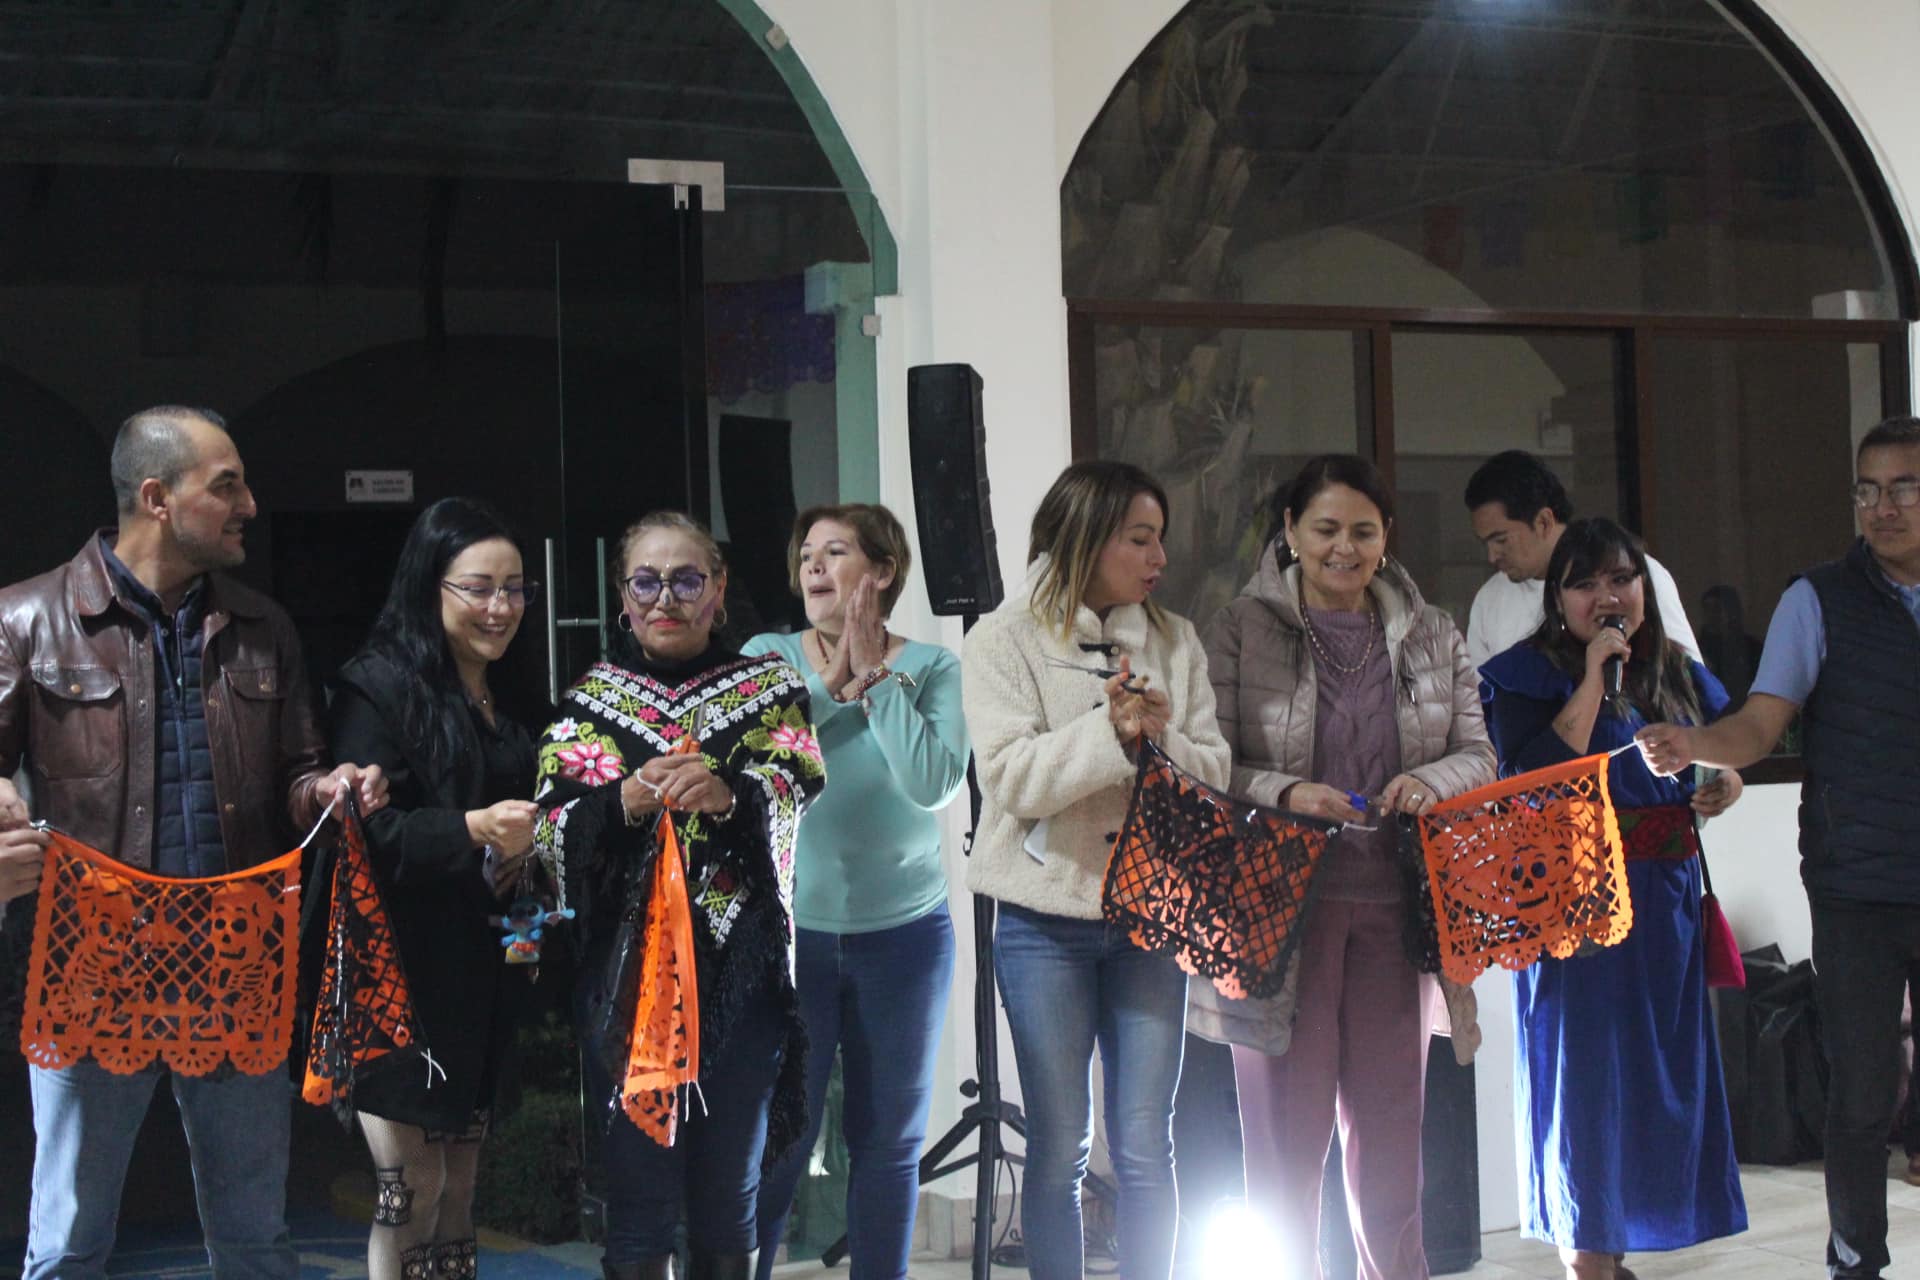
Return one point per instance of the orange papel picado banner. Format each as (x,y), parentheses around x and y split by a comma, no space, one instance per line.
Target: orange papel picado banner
(364,1011)
(1218,883)
(128,967)
(1529,866)
(663,1050)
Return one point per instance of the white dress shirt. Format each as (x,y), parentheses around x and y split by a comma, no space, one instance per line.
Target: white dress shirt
(1506,612)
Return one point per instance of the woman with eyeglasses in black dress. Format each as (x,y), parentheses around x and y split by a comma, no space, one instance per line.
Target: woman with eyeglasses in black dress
(449,852)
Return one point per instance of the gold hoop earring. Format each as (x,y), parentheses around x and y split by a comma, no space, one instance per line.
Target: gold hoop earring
(720,616)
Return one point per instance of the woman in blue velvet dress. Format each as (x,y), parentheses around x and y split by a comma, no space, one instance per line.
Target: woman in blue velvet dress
(1621,1114)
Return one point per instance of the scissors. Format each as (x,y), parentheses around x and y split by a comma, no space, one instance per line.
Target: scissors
(1105,673)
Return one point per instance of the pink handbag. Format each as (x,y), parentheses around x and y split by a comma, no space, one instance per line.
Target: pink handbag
(1725,968)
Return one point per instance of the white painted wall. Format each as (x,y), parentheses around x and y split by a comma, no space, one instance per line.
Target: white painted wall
(965,116)
(949,108)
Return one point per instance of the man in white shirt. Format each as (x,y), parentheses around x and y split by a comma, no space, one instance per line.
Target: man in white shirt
(1519,509)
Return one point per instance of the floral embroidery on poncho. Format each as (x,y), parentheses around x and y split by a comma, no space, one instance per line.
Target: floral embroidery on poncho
(749,718)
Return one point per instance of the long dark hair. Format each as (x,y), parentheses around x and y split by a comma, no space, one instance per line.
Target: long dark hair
(1657,678)
(409,634)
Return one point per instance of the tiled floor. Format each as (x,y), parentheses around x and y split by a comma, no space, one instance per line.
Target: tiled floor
(1785,1240)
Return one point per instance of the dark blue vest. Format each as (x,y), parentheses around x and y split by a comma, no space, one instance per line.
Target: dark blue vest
(186,832)
(1860,802)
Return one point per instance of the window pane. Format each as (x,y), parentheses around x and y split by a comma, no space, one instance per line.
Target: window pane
(1640,156)
(1753,454)
(792,418)
(1460,398)
(1221,417)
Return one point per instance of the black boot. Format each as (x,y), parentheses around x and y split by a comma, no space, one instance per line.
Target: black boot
(725,1266)
(645,1269)
(455,1260)
(417,1263)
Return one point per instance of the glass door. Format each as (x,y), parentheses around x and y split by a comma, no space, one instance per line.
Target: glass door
(629,411)
(630,436)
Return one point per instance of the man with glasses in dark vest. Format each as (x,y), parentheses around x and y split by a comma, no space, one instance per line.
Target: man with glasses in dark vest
(1844,653)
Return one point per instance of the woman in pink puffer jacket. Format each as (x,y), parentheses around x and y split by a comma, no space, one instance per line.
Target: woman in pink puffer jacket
(1334,679)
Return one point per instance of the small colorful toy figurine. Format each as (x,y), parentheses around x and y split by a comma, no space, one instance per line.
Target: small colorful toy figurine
(524,922)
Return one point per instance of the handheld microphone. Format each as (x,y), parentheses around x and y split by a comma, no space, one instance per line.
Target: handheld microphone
(1615,668)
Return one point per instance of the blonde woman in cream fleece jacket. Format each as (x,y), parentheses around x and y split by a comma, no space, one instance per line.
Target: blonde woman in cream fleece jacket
(1052,748)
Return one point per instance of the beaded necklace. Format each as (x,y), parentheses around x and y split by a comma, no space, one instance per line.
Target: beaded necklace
(1313,639)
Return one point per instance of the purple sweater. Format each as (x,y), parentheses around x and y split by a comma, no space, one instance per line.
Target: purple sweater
(1356,747)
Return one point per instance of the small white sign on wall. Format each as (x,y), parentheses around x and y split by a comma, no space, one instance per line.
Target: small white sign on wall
(379,486)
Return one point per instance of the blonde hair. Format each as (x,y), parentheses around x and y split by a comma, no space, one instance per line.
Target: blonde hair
(1081,512)
(878,531)
(679,521)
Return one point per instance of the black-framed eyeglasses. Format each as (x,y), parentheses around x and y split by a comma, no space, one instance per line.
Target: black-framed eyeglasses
(1905,493)
(687,585)
(517,596)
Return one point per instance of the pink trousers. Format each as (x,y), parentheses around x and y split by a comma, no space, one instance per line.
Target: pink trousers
(1358,1057)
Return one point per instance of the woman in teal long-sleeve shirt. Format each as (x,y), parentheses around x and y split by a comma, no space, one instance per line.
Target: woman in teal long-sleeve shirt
(874,959)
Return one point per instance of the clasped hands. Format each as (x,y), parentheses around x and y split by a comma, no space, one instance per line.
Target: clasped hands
(1136,709)
(863,641)
(675,782)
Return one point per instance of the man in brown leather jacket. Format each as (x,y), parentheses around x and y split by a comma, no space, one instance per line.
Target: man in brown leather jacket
(162,714)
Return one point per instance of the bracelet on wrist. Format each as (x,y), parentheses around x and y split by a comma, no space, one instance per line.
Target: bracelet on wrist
(900,678)
(858,690)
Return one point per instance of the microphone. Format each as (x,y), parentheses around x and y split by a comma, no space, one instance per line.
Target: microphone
(1614,670)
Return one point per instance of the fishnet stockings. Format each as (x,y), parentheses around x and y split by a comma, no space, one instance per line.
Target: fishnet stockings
(434,1174)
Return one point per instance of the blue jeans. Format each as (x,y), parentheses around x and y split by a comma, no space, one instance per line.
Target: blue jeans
(712,1170)
(881,997)
(85,1119)
(1068,985)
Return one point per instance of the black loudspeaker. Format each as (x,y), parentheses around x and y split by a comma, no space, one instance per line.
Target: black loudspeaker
(947,442)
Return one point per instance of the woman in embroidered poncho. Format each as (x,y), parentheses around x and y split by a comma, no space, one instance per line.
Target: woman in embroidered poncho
(1624,1139)
(615,759)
